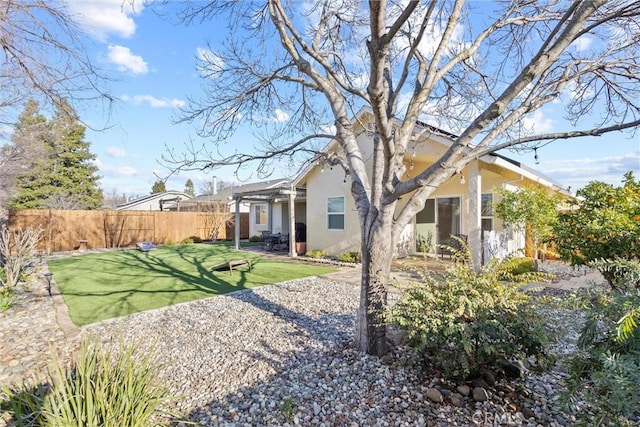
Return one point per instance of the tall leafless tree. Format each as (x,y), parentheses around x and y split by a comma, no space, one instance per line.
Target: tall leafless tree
(478,68)
(44,57)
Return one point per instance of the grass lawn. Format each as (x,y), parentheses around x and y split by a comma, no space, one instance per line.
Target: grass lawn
(104,285)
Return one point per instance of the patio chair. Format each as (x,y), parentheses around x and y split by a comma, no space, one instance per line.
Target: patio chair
(454,245)
(267,241)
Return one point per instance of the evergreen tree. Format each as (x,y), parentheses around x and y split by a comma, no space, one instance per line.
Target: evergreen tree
(18,157)
(158,187)
(64,175)
(189,188)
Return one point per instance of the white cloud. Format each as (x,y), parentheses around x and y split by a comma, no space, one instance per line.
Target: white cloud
(579,172)
(536,123)
(209,63)
(124,171)
(127,61)
(101,18)
(279,116)
(153,101)
(116,152)
(582,43)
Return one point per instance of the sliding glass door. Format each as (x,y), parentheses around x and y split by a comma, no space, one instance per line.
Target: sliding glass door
(436,222)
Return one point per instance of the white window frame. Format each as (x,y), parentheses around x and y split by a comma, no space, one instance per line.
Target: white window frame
(329,214)
(482,214)
(260,214)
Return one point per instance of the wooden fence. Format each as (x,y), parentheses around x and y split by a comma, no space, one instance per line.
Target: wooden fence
(63,230)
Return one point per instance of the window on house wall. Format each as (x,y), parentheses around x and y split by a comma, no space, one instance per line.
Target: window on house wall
(335,213)
(487,212)
(260,214)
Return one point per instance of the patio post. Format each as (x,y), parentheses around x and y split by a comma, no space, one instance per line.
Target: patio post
(474,218)
(292,223)
(236,227)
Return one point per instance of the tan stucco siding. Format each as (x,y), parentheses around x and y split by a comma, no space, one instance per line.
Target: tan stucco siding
(321,186)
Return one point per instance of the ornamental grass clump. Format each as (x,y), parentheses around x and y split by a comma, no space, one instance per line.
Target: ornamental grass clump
(462,322)
(101,388)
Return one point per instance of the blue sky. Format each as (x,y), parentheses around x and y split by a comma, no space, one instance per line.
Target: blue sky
(155,64)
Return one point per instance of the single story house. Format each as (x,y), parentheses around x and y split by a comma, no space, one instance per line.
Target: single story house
(165,201)
(322,200)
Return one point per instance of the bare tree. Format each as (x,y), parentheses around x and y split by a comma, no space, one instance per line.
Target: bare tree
(289,69)
(17,252)
(113,198)
(44,57)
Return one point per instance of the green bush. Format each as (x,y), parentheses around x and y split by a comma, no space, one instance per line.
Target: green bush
(187,241)
(7,298)
(99,389)
(349,256)
(606,372)
(316,253)
(516,266)
(604,224)
(463,322)
(255,239)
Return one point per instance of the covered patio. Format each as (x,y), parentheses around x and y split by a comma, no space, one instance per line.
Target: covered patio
(282,207)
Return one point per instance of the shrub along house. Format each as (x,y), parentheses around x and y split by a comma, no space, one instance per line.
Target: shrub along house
(457,207)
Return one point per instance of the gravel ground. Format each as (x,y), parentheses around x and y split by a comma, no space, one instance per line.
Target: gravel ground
(280,355)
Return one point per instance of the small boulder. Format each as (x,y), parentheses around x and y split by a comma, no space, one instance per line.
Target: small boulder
(464,390)
(457,400)
(479,382)
(489,377)
(480,394)
(434,395)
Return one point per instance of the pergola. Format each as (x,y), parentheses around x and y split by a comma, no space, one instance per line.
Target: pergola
(270,192)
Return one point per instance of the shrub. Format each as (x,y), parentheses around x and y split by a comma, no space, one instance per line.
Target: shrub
(187,241)
(516,266)
(463,322)
(7,298)
(349,256)
(316,253)
(606,373)
(99,389)
(17,253)
(605,224)
(255,239)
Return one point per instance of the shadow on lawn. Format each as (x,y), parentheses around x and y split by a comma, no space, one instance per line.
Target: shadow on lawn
(196,279)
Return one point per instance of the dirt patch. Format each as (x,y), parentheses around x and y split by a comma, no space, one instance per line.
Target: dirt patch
(413,262)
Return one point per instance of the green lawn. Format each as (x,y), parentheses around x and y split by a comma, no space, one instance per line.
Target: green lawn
(111,284)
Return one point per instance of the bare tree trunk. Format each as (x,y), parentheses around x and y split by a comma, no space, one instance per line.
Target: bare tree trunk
(377,253)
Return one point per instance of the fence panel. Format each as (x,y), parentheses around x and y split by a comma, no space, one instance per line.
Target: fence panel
(110,229)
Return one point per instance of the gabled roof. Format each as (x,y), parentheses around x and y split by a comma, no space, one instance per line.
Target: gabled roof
(447,138)
(166,195)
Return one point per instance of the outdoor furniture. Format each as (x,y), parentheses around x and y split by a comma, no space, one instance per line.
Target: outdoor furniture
(453,245)
(146,246)
(266,240)
(279,241)
(230,265)
(82,245)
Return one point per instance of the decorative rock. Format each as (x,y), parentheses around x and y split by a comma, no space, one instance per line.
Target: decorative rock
(457,400)
(434,395)
(464,389)
(480,394)
(236,359)
(489,377)
(527,413)
(479,382)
